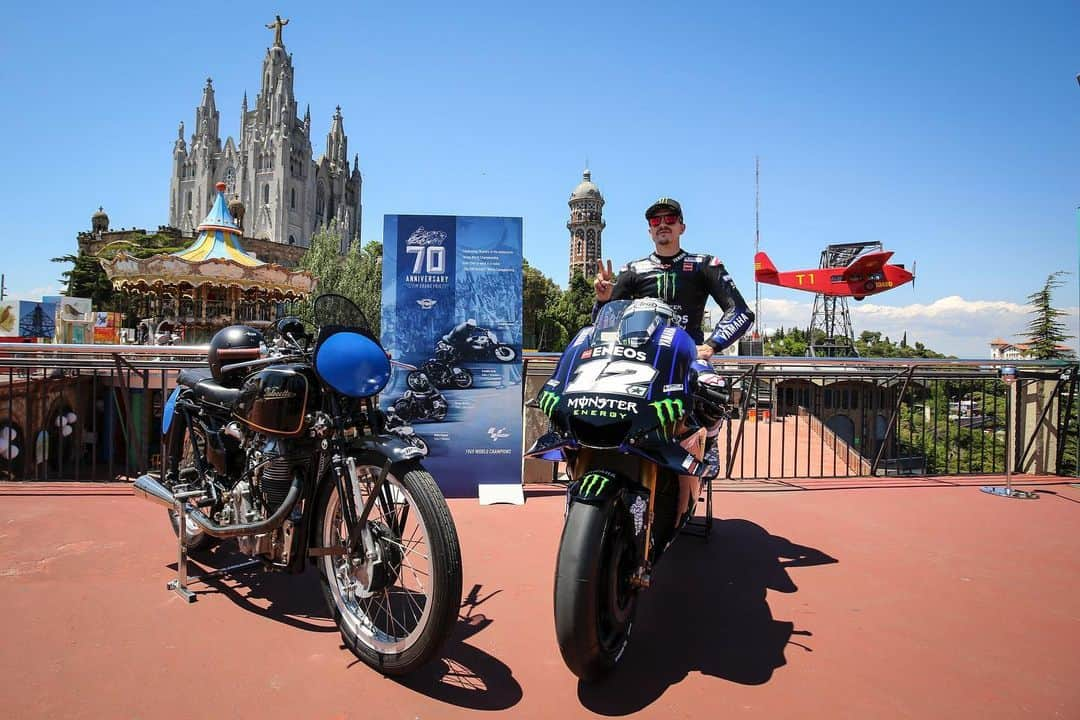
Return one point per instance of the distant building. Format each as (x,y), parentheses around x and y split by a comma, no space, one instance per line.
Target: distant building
(586,225)
(1001,350)
(287,194)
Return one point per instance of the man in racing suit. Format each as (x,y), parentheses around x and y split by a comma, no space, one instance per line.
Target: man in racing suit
(685,281)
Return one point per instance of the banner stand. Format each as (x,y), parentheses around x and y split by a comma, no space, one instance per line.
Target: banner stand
(1008,376)
(451,309)
(493,493)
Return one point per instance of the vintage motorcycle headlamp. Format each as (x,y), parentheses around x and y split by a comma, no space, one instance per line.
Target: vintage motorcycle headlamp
(352,364)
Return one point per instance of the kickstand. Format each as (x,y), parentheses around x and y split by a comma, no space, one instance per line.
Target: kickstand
(180,584)
(702,526)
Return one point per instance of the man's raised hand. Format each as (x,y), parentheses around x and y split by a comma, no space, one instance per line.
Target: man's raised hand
(603,283)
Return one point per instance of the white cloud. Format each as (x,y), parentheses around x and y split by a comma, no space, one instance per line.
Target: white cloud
(950,325)
(33,294)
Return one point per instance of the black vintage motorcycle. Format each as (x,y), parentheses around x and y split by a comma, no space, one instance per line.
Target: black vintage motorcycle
(412,406)
(396,424)
(289,454)
(481,346)
(441,374)
(620,406)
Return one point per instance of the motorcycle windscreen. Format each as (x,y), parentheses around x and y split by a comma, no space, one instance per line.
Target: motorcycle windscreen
(352,364)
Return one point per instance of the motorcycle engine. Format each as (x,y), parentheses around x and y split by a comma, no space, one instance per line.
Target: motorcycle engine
(270,476)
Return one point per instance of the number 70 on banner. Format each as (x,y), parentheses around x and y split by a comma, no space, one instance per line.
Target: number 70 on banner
(430,259)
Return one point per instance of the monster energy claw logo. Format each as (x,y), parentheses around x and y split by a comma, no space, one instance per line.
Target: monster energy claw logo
(548,401)
(665,285)
(668,411)
(593,484)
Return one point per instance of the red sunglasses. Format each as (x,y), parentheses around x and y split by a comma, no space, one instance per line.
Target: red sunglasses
(666,219)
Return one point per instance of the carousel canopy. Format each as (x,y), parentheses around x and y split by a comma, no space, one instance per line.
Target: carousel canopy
(215,258)
(218,237)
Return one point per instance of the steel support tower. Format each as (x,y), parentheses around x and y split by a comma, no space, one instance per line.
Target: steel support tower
(831,334)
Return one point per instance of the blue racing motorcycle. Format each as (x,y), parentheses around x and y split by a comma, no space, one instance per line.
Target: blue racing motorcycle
(620,405)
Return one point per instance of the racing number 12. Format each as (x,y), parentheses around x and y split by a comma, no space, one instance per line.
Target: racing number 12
(616,377)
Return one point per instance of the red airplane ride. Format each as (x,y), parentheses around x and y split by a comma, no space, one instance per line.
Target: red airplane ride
(866,275)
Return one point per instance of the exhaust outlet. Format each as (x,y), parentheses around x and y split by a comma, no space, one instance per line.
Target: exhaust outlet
(148,488)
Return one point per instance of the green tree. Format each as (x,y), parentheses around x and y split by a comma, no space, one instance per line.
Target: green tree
(357,276)
(86,279)
(540,327)
(573,310)
(1046,331)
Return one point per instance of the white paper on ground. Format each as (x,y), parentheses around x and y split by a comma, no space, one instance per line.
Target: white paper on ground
(501,493)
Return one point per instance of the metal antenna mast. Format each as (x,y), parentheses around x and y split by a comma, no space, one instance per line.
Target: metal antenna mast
(758,325)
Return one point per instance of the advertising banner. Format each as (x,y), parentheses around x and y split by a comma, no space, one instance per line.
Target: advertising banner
(37,319)
(452,309)
(107,328)
(74,321)
(9,319)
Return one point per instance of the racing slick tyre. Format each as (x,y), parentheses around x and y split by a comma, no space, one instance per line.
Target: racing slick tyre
(594,600)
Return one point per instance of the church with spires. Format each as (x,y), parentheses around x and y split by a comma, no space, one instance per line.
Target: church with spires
(276,189)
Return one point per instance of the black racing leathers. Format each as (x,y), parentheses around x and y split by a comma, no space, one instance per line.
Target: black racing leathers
(686,281)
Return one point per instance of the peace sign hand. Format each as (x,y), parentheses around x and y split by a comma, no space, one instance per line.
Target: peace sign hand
(603,285)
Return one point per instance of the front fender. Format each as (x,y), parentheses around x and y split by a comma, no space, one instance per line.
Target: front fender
(596,487)
(390,446)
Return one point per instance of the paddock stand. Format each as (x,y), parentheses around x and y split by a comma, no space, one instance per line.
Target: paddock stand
(702,526)
(180,584)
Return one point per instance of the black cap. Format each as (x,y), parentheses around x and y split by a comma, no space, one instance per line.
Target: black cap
(664,202)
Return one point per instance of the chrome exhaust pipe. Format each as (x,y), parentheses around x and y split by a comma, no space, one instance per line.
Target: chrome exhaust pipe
(147,487)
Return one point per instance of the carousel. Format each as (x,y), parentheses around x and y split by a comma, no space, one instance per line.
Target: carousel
(189,295)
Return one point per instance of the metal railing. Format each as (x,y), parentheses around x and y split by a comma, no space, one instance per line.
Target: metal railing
(93,412)
(857,417)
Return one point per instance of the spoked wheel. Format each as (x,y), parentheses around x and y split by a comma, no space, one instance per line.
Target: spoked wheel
(417,380)
(505,353)
(461,378)
(594,600)
(396,599)
(181,455)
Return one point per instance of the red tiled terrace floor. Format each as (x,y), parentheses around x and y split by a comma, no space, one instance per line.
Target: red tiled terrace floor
(897,599)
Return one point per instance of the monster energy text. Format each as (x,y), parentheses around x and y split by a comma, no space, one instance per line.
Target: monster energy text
(593,484)
(602,407)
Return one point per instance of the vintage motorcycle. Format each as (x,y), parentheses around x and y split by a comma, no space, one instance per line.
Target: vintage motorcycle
(289,454)
(396,425)
(620,405)
(423,404)
(443,375)
(481,346)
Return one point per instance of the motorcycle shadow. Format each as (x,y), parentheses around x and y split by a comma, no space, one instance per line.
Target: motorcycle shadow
(708,612)
(295,600)
(464,675)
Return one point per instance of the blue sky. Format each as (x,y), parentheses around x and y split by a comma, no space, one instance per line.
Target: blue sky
(947,131)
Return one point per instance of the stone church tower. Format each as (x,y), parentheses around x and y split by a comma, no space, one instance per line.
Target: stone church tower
(586,224)
(286,195)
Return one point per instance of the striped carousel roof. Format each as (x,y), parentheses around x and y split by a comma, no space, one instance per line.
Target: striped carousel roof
(218,237)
